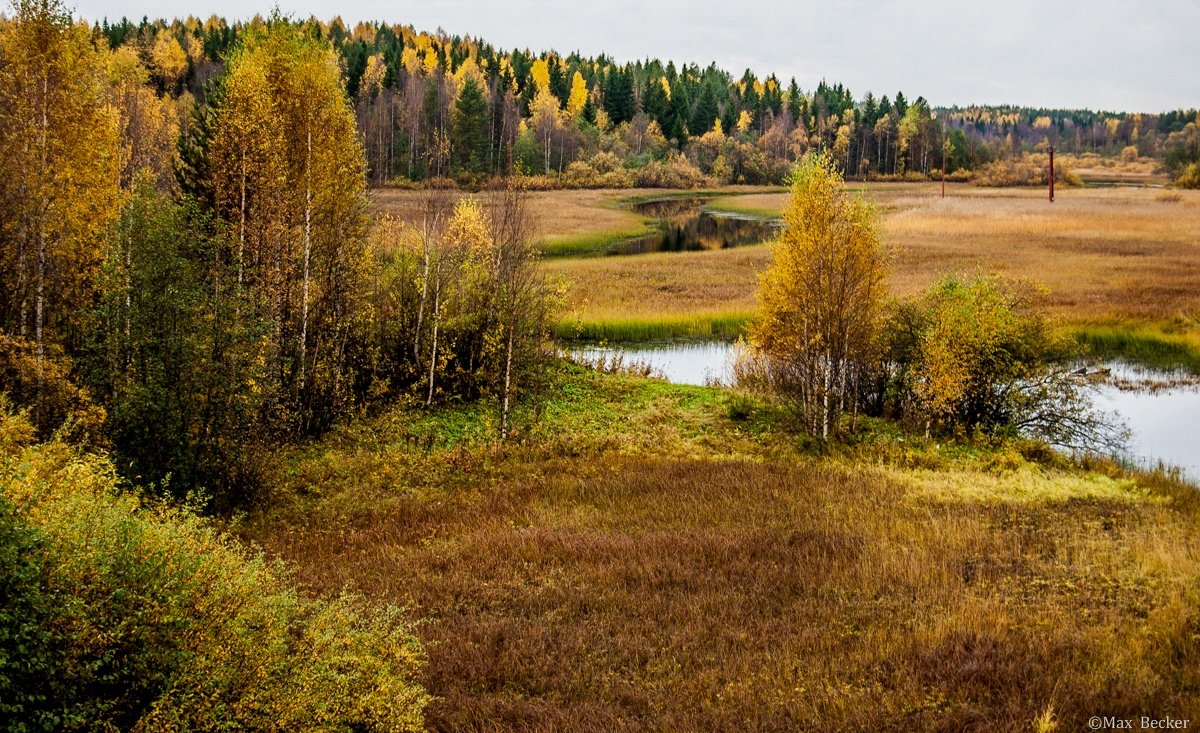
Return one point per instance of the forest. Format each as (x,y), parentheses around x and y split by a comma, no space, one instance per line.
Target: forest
(440,107)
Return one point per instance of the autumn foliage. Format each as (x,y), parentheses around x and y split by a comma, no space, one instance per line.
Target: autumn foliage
(821,301)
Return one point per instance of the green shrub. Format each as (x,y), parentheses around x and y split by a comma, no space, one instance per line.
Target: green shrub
(121,615)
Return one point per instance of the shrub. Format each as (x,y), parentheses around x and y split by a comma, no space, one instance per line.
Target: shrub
(117,615)
(1190,178)
(606,162)
(678,172)
(975,355)
(1027,170)
(579,175)
(601,173)
(52,400)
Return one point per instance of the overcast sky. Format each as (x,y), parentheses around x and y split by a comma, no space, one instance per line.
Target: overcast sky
(1102,54)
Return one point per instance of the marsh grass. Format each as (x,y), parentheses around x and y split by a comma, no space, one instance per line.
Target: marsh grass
(714,326)
(1118,266)
(1169,345)
(655,557)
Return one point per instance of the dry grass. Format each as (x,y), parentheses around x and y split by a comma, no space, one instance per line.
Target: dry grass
(568,220)
(641,586)
(662,283)
(1103,254)
(1092,167)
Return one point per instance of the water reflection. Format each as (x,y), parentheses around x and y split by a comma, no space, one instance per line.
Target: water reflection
(687,226)
(1162,411)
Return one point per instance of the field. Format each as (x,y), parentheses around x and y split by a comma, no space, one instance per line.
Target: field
(647,558)
(1120,266)
(568,222)
(1126,259)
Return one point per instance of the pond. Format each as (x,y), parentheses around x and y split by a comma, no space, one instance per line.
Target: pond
(1161,409)
(687,226)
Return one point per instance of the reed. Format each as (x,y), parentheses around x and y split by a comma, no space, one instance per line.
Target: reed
(711,326)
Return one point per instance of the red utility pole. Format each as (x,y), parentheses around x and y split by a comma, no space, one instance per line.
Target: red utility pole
(1051,174)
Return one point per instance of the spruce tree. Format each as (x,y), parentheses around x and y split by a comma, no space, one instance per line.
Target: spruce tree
(618,95)
(469,136)
(706,111)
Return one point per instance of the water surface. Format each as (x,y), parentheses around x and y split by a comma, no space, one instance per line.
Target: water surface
(686,226)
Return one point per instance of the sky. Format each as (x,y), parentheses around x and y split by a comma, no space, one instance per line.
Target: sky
(1111,55)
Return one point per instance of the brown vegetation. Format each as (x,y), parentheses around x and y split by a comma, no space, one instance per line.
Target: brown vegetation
(640,587)
(1102,254)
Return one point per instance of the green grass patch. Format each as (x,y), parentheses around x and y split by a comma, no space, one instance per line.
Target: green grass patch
(721,326)
(730,205)
(592,243)
(1171,345)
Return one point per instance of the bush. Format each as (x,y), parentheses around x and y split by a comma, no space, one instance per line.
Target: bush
(52,400)
(1027,170)
(974,355)
(678,172)
(117,615)
(602,174)
(1190,178)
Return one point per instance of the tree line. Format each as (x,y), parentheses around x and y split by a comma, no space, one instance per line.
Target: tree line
(437,106)
(432,106)
(190,289)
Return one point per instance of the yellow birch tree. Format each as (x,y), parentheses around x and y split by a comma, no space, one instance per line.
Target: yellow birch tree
(821,300)
(58,172)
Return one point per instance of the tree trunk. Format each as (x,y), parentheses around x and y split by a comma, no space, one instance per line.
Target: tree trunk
(508,354)
(421,304)
(242,224)
(307,255)
(437,296)
(39,304)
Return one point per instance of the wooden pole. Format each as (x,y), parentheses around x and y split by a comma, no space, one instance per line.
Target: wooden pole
(1051,174)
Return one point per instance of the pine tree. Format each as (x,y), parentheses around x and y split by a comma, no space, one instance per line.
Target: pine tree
(706,111)
(618,95)
(655,104)
(677,118)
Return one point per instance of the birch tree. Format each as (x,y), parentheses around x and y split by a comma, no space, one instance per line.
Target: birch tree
(820,302)
(58,172)
(289,173)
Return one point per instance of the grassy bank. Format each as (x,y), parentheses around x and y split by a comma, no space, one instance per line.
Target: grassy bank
(713,326)
(1170,345)
(649,557)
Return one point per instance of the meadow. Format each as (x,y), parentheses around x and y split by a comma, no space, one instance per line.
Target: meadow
(647,556)
(1119,267)
(657,557)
